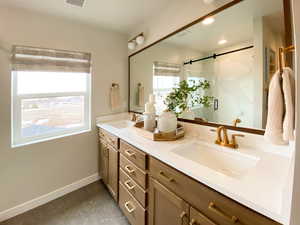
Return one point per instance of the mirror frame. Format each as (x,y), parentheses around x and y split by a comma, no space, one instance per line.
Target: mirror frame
(288,41)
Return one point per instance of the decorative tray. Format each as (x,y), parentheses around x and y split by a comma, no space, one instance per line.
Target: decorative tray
(159,136)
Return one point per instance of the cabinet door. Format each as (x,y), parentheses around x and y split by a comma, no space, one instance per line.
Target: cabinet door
(113,175)
(165,207)
(104,154)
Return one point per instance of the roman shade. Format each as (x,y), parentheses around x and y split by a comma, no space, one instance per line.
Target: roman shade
(166,69)
(26,58)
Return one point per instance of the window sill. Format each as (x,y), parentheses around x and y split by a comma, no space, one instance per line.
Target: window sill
(50,138)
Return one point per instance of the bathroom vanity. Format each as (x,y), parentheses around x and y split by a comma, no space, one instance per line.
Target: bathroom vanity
(207,81)
(152,181)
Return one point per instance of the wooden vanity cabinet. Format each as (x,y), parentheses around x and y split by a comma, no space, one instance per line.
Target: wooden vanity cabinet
(109,162)
(165,207)
(149,192)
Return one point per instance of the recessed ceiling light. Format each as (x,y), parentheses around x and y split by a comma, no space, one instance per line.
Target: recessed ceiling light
(208,20)
(222,42)
(208,1)
(78,3)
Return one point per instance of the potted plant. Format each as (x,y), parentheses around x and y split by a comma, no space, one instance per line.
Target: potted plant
(185,96)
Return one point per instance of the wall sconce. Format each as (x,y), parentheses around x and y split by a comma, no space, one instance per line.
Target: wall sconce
(137,40)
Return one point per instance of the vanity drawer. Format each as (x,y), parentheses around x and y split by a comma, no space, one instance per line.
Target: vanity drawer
(133,171)
(109,138)
(133,154)
(197,218)
(134,212)
(217,207)
(133,188)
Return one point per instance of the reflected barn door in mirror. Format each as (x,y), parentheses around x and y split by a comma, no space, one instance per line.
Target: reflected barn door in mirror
(227,59)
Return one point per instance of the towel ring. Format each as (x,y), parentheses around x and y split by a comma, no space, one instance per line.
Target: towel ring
(282,52)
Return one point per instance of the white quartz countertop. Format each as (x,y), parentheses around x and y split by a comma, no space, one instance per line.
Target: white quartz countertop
(261,189)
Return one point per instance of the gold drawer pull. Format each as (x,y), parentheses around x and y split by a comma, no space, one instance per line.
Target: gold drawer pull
(193,222)
(129,185)
(212,206)
(163,175)
(128,169)
(182,216)
(129,207)
(129,153)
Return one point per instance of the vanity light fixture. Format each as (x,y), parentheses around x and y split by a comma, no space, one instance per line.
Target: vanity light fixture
(222,42)
(137,40)
(208,21)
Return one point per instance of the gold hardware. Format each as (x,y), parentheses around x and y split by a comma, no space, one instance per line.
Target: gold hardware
(236,121)
(182,215)
(212,206)
(130,154)
(193,222)
(128,169)
(134,117)
(233,142)
(128,185)
(163,175)
(224,140)
(283,51)
(127,204)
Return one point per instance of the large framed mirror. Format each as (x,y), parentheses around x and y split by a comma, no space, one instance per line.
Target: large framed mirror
(223,62)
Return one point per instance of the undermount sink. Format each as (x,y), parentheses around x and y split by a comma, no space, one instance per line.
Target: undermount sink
(226,161)
(121,124)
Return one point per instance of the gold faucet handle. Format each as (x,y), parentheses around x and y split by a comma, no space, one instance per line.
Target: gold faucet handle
(233,140)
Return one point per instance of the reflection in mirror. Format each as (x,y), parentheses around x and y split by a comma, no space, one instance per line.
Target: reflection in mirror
(234,53)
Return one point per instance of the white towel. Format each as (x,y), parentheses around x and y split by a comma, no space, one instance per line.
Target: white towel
(115,97)
(281,108)
(288,87)
(274,127)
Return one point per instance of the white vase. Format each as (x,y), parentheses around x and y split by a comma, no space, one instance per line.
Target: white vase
(187,114)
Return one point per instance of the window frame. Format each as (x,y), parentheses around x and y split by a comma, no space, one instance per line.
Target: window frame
(16,110)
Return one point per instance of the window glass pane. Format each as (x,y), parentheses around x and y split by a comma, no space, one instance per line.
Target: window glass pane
(49,115)
(50,82)
(162,86)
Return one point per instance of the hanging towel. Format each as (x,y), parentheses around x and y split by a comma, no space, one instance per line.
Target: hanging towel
(274,128)
(288,87)
(141,96)
(115,97)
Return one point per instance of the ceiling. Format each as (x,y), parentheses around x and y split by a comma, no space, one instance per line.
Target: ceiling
(118,15)
(234,24)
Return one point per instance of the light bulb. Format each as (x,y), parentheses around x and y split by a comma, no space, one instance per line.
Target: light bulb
(131,45)
(208,21)
(140,40)
(222,42)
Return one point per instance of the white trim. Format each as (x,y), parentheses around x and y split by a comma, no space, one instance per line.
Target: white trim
(24,207)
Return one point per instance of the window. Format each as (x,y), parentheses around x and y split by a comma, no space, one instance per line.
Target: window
(50,94)
(165,77)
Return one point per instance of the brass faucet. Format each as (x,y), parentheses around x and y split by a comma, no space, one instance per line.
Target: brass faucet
(236,121)
(224,140)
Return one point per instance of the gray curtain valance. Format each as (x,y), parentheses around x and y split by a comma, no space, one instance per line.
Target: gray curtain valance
(26,58)
(166,69)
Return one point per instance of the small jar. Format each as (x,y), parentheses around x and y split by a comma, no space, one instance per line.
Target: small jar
(167,122)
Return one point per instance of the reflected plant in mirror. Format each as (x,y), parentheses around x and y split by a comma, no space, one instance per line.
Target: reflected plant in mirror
(188,94)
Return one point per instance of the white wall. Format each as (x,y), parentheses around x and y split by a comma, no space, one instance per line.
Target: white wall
(31,171)
(175,16)
(295,215)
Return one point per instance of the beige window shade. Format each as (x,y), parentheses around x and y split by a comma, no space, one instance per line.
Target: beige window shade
(166,69)
(42,59)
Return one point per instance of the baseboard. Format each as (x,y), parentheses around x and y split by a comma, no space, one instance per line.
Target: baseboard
(19,209)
